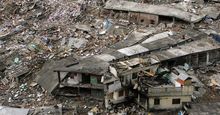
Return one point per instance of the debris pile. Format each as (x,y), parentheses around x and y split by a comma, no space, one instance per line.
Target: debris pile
(33,32)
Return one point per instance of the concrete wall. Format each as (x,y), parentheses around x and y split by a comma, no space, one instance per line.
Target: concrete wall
(198,59)
(97,93)
(134,17)
(146,19)
(117,97)
(127,80)
(73,79)
(143,19)
(166,102)
(213,56)
(115,86)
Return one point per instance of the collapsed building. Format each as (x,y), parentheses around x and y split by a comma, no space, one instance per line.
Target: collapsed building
(163,95)
(84,77)
(149,66)
(150,88)
(148,72)
(145,14)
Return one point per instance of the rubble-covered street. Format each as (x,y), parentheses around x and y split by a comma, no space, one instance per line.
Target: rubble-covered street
(109,57)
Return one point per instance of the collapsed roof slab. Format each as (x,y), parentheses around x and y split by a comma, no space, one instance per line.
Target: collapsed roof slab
(153,9)
(133,38)
(47,78)
(194,47)
(90,65)
(156,44)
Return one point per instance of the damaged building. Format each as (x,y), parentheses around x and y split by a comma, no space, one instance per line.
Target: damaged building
(83,78)
(152,73)
(175,87)
(145,14)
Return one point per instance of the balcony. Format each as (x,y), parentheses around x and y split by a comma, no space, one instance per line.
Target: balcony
(170,91)
(89,86)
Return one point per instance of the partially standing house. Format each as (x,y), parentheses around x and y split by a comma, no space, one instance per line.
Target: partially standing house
(83,78)
(167,89)
(140,78)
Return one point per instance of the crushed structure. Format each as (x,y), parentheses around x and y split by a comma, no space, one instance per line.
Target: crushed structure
(146,75)
(149,14)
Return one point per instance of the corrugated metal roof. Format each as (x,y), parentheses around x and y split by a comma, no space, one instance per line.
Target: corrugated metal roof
(136,49)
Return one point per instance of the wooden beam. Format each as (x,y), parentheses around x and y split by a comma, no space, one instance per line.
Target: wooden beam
(59,77)
(135,70)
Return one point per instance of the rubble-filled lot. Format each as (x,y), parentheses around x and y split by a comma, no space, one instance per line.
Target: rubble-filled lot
(35,32)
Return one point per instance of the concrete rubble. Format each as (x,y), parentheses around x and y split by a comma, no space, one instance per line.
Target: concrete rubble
(115,57)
